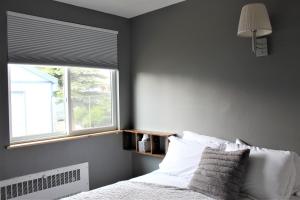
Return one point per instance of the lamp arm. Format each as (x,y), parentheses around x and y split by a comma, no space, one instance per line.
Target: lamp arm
(254,41)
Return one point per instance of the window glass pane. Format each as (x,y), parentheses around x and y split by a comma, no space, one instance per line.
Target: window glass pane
(37,100)
(91,98)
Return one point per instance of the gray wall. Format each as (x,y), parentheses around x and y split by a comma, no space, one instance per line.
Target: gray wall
(192,72)
(108,162)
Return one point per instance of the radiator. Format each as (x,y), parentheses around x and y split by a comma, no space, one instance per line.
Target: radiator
(51,184)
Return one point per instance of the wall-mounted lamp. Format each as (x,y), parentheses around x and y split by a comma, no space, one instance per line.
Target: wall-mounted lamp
(255,22)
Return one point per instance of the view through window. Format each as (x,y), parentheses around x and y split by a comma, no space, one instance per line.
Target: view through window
(49,101)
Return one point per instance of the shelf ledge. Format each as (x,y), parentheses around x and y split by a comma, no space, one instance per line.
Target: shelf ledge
(150,154)
(155,133)
(60,139)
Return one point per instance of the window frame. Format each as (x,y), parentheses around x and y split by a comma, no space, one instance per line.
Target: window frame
(68,107)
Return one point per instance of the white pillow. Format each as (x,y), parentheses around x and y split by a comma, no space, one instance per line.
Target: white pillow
(296,190)
(270,173)
(297,166)
(183,157)
(239,141)
(193,136)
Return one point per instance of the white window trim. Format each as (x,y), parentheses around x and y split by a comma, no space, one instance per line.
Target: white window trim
(115,110)
(68,111)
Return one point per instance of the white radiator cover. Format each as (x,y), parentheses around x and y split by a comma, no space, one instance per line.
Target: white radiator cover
(51,184)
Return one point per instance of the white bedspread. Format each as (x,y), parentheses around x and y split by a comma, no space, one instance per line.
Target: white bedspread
(155,185)
(156,177)
(130,190)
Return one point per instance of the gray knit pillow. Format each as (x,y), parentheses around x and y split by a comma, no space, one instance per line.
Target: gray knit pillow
(220,174)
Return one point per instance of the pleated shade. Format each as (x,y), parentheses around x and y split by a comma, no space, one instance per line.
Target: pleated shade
(39,40)
(254,17)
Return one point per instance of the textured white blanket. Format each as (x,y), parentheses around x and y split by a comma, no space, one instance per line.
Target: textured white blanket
(128,190)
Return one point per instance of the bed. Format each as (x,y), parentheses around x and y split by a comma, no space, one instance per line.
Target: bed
(154,185)
(134,190)
(172,181)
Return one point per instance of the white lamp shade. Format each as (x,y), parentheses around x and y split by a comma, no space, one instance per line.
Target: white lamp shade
(254,17)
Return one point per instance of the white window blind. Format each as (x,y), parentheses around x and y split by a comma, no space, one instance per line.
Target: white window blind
(44,41)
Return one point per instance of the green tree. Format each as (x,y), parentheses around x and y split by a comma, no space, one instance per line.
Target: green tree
(90,95)
(59,74)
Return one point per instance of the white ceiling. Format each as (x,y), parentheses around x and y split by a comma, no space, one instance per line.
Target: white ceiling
(123,8)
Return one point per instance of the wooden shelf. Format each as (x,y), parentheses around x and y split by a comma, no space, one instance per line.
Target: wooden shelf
(151,154)
(158,142)
(157,133)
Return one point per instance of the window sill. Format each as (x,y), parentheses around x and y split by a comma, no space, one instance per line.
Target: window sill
(60,139)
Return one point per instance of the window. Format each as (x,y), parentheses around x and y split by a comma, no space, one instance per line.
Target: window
(51,101)
(60,99)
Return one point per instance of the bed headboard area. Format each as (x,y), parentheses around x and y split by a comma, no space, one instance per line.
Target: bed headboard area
(191,72)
